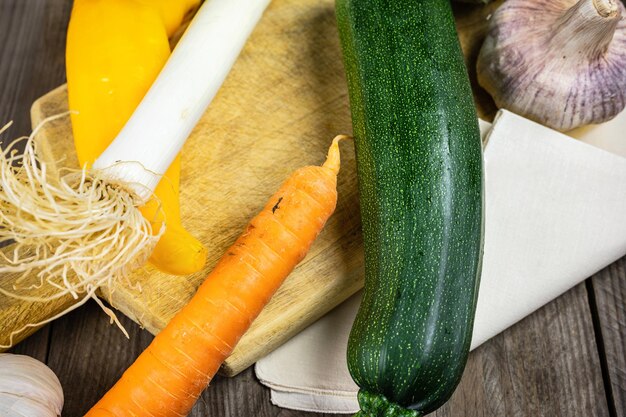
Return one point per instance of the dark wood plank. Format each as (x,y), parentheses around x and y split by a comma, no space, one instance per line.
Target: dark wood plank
(36,346)
(32,39)
(89,355)
(32,56)
(609,290)
(545,365)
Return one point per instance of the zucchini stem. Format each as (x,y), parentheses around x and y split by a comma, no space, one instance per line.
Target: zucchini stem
(376,405)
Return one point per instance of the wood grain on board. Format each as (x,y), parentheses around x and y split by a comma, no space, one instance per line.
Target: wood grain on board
(282,103)
(609,287)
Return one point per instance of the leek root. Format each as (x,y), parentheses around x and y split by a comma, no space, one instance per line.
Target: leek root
(73,230)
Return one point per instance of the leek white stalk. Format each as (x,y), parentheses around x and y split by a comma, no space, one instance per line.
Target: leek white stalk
(192,76)
(81,230)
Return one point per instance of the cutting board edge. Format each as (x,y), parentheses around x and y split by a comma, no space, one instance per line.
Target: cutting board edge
(238,363)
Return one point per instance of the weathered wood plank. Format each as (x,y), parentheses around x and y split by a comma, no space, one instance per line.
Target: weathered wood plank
(32,61)
(32,56)
(36,346)
(609,290)
(89,355)
(546,365)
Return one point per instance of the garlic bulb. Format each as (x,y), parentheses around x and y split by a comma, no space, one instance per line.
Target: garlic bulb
(561,63)
(28,388)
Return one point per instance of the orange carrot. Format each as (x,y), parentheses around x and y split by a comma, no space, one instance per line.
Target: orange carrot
(169,376)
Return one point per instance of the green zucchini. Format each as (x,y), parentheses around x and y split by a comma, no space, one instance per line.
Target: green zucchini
(419,164)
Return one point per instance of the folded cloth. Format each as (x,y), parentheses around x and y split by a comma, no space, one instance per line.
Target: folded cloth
(554,216)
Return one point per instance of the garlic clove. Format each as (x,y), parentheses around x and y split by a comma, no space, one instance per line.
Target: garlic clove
(561,63)
(27,384)
(18,406)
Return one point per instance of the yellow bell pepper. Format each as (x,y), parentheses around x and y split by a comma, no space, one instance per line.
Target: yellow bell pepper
(115,50)
(172,12)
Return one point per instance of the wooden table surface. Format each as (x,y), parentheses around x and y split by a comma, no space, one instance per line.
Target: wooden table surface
(567,359)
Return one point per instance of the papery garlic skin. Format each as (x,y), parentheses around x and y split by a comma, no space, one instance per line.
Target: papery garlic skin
(561,63)
(28,388)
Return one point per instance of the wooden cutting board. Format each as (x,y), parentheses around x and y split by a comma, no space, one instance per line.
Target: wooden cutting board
(278,110)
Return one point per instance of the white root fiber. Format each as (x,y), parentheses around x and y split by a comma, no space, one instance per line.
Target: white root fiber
(72,230)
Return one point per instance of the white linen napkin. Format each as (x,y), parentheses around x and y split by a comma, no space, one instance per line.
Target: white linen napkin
(554,216)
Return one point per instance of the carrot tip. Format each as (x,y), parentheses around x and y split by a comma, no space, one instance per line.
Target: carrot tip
(333,160)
